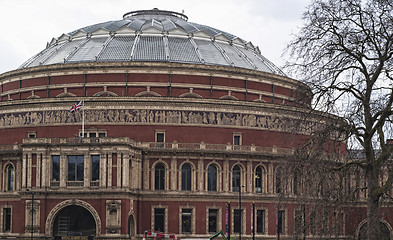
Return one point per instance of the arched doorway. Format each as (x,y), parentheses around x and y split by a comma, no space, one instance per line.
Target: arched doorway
(385,231)
(74,221)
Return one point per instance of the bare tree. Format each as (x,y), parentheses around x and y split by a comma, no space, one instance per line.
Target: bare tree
(344,53)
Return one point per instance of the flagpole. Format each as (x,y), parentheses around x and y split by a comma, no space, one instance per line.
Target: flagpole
(83,118)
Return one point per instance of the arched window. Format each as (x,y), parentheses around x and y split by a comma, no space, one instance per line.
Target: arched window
(10,174)
(159,177)
(186,177)
(236,173)
(258,179)
(212,178)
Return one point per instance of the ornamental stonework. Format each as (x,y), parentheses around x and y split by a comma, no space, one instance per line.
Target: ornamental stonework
(147,116)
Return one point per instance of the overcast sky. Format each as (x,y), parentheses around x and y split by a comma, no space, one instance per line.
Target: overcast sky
(27,25)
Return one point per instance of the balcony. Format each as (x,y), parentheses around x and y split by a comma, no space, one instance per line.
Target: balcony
(165,146)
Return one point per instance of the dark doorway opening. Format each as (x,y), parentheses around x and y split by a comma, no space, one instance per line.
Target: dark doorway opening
(385,232)
(74,221)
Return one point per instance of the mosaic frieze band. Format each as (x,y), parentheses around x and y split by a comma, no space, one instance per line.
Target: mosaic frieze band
(146,116)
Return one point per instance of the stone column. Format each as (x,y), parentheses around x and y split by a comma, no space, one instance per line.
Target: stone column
(86,170)
(29,169)
(103,168)
(146,175)
(200,175)
(24,171)
(250,176)
(109,169)
(126,170)
(270,170)
(226,179)
(63,170)
(173,173)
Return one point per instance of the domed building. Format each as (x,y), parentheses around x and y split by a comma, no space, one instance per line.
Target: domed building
(148,123)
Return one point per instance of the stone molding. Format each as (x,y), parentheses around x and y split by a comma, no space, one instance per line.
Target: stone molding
(55,210)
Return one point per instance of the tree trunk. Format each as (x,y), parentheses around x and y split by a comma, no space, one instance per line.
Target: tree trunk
(373,214)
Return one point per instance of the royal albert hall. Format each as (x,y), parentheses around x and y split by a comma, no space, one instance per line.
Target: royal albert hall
(149,123)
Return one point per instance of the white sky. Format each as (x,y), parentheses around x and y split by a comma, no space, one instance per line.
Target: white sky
(27,25)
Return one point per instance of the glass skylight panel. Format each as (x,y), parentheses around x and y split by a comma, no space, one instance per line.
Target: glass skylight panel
(168,25)
(118,49)
(181,50)
(236,57)
(255,60)
(64,52)
(186,26)
(89,50)
(210,31)
(42,56)
(115,25)
(150,48)
(136,24)
(210,53)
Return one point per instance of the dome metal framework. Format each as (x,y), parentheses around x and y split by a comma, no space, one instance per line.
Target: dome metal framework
(154,36)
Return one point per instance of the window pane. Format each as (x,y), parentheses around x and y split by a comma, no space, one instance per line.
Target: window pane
(71,168)
(159,137)
(298,222)
(186,177)
(260,221)
(212,178)
(75,168)
(10,178)
(213,213)
(159,177)
(237,220)
(236,179)
(55,168)
(280,221)
(80,168)
(6,219)
(258,180)
(236,140)
(186,218)
(159,219)
(95,167)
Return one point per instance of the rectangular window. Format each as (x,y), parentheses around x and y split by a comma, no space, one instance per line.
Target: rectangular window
(31,134)
(160,139)
(299,222)
(75,167)
(237,220)
(55,168)
(95,167)
(261,221)
(186,220)
(6,219)
(237,141)
(312,223)
(101,134)
(93,135)
(159,219)
(213,220)
(280,221)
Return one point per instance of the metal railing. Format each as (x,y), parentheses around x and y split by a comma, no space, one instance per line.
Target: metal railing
(158,145)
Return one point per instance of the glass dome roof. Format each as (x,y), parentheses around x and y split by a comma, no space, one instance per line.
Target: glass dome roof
(153,36)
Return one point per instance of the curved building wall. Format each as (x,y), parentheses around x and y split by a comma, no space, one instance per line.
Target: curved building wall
(158,144)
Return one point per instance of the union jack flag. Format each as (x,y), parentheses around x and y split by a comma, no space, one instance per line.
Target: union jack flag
(76,106)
